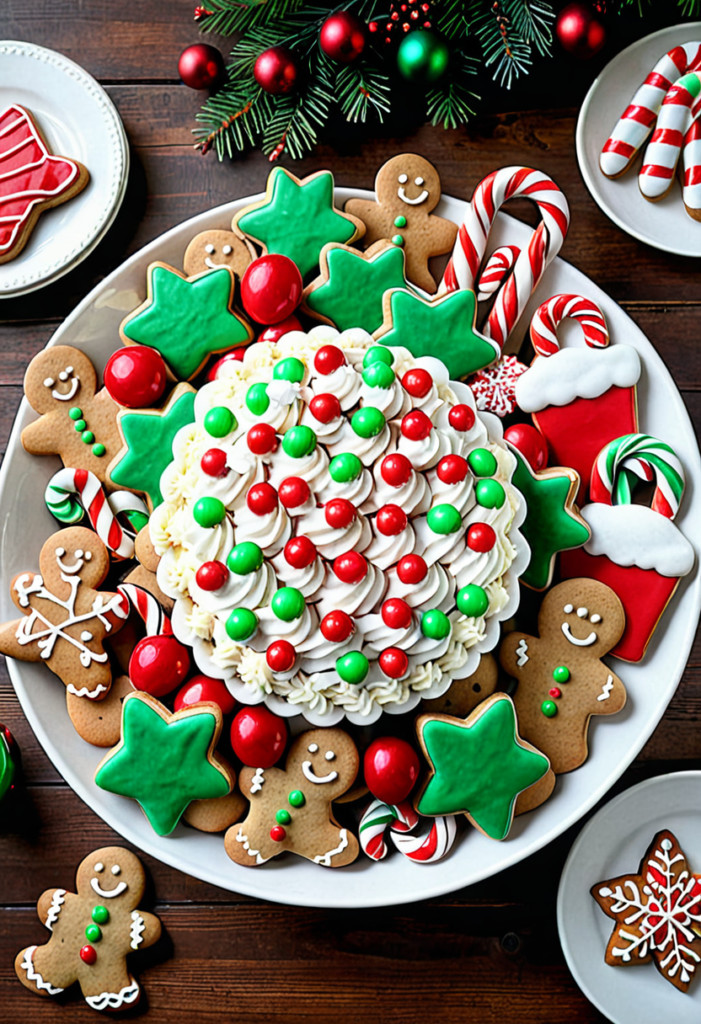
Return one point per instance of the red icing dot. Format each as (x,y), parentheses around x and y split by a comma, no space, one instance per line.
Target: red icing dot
(529,442)
(328,359)
(417,382)
(391,520)
(293,491)
(135,376)
(261,439)
(452,469)
(299,552)
(555,692)
(394,663)
(481,537)
(411,569)
(158,664)
(280,656)
(212,575)
(203,688)
(88,955)
(336,626)
(213,462)
(277,833)
(396,614)
(461,417)
(325,408)
(274,333)
(351,567)
(395,470)
(339,513)
(262,499)
(416,425)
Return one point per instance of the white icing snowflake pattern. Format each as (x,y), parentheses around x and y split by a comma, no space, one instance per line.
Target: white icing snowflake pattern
(495,387)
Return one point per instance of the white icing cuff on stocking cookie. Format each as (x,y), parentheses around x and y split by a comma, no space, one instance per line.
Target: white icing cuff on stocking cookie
(636,535)
(576,373)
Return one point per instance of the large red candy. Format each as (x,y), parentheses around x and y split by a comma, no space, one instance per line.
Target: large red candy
(276,331)
(391,768)
(530,443)
(135,376)
(271,288)
(201,689)
(258,737)
(158,664)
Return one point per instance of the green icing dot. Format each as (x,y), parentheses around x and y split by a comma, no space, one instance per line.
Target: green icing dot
(345,467)
(444,519)
(291,369)
(208,512)
(472,600)
(352,667)
(246,557)
(368,421)
(93,933)
(288,603)
(283,817)
(241,624)
(75,413)
(490,494)
(378,353)
(549,708)
(257,401)
(296,798)
(398,239)
(100,915)
(378,375)
(220,421)
(400,221)
(482,462)
(561,674)
(80,425)
(298,442)
(87,437)
(98,449)
(435,624)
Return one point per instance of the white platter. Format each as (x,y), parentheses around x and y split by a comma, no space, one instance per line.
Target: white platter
(613,843)
(665,225)
(93,326)
(79,120)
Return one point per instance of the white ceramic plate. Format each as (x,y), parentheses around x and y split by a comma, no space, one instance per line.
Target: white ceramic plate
(25,524)
(611,844)
(79,120)
(665,225)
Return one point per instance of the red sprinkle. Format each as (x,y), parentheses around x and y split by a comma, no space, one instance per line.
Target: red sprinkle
(328,359)
(280,656)
(416,426)
(299,552)
(336,626)
(293,491)
(396,614)
(461,417)
(262,499)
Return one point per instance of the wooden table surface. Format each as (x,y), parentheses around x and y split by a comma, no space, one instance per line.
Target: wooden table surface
(489,953)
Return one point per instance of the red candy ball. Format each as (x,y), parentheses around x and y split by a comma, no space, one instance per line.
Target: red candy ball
(396,614)
(212,576)
(201,66)
(158,664)
(391,768)
(391,520)
(417,382)
(328,359)
(293,492)
(135,376)
(280,656)
(395,470)
(461,417)
(258,737)
(235,356)
(299,552)
(277,833)
(261,439)
(276,331)
(275,71)
(336,626)
(339,513)
(452,469)
(530,443)
(213,462)
(416,425)
(351,567)
(204,688)
(481,537)
(411,569)
(394,663)
(262,499)
(325,408)
(88,955)
(271,288)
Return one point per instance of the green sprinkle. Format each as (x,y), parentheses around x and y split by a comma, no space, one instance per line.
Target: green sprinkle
(400,221)
(283,817)
(561,674)
(75,413)
(291,369)
(296,798)
(368,421)
(482,462)
(298,442)
(93,933)
(549,708)
(257,401)
(80,425)
(352,667)
(245,558)
(435,624)
(378,353)
(472,600)
(98,449)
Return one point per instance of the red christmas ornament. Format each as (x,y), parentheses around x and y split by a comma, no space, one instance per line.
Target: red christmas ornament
(276,331)
(135,376)
(293,492)
(325,408)
(342,37)
(411,569)
(461,417)
(262,499)
(395,470)
(417,382)
(416,426)
(452,469)
(258,737)
(391,520)
(276,71)
(394,663)
(235,356)
(213,462)
(480,537)
(299,552)
(351,567)
(271,288)
(158,664)
(339,513)
(211,576)
(201,689)
(391,768)
(328,359)
(261,439)
(201,66)
(530,443)
(396,614)
(280,656)
(336,626)
(579,31)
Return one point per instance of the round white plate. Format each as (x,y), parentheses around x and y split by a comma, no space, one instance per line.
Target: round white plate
(665,225)
(613,843)
(25,524)
(78,120)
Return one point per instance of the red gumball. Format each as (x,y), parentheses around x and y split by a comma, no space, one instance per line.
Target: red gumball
(258,737)
(211,576)
(390,520)
(293,492)
(411,569)
(480,537)
(276,331)
(201,689)
(530,443)
(461,417)
(396,614)
(158,664)
(235,356)
(213,462)
(299,552)
(339,513)
(327,359)
(351,567)
(417,382)
(280,656)
(336,626)
(262,499)
(452,469)
(261,439)
(391,768)
(271,288)
(201,66)
(325,408)
(416,425)
(135,376)
(394,662)
(395,469)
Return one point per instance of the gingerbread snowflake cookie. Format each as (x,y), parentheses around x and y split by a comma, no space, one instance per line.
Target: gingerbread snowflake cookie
(92,932)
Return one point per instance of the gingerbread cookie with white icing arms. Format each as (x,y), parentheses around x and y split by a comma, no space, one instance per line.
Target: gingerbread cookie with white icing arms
(93,930)
(291,809)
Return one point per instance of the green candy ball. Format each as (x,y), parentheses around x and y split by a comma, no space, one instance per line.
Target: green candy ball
(444,519)
(291,369)
(423,56)
(219,421)
(283,817)
(241,624)
(298,442)
(246,557)
(100,915)
(377,354)
(368,421)
(482,462)
(257,401)
(549,708)
(472,600)
(208,512)
(561,674)
(80,426)
(296,798)
(435,624)
(345,467)
(93,933)
(352,667)
(490,494)
(75,413)
(288,603)
(98,449)
(379,375)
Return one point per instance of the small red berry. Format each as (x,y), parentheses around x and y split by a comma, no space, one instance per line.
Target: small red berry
(325,408)
(293,491)
(461,417)
(280,656)
(211,575)
(262,499)
(395,470)
(452,469)
(213,462)
(480,537)
(336,626)
(394,663)
(396,614)
(416,425)
(299,552)
(328,359)
(391,520)
(339,513)
(351,567)
(417,382)
(411,569)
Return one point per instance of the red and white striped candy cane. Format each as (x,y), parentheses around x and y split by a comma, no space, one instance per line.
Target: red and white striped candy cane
(665,146)
(545,242)
(497,267)
(148,609)
(428,847)
(400,818)
(70,488)
(550,314)
(691,153)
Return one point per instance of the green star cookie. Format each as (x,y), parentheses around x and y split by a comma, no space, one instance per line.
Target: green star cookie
(297,218)
(352,284)
(187,319)
(552,522)
(479,765)
(148,443)
(164,760)
(444,327)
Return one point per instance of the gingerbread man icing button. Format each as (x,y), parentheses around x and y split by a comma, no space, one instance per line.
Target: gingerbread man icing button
(408,189)
(92,932)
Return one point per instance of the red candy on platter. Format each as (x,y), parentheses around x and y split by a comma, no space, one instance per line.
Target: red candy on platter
(328,359)
(201,689)
(461,417)
(158,664)
(280,656)
(391,768)
(299,552)
(351,567)
(211,576)
(258,737)
(293,491)
(530,443)
(336,626)
(135,376)
(213,462)
(395,469)
(262,499)
(276,331)
(411,569)
(417,382)
(271,288)
(396,614)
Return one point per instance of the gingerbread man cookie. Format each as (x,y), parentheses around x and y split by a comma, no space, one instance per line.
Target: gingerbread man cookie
(562,681)
(291,808)
(215,248)
(408,189)
(76,421)
(66,619)
(93,930)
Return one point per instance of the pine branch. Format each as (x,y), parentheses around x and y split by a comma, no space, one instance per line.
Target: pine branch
(449,102)
(232,120)
(501,45)
(360,89)
(295,119)
(532,20)
(451,19)
(230,16)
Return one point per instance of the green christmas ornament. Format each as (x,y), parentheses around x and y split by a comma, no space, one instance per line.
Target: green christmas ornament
(220,421)
(490,494)
(378,353)
(352,667)
(435,624)
(241,624)
(379,375)
(345,467)
(423,57)
(444,519)
(291,369)
(245,558)
(482,462)
(367,421)
(288,603)
(257,401)
(472,600)
(298,442)
(208,512)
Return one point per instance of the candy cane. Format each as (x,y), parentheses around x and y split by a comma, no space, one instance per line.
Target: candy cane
(662,154)
(148,609)
(638,455)
(429,847)
(550,314)
(401,818)
(691,151)
(545,242)
(498,266)
(634,125)
(70,492)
